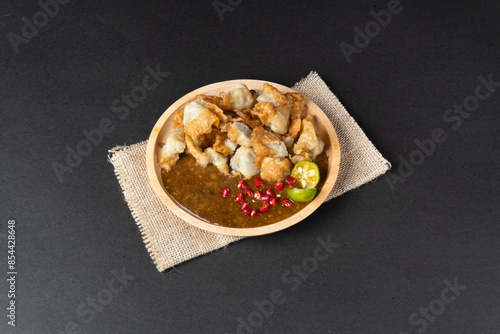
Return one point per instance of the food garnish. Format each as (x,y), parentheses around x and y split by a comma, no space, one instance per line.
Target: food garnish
(270,192)
(240,198)
(279,186)
(242,185)
(258,194)
(258,182)
(291,180)
(306,173)
(301,195)
(265,207)
(264,198)
(255,213)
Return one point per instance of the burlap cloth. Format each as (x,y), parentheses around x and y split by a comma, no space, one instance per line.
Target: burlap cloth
(171,241)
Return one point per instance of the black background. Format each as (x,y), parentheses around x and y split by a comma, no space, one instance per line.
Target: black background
(396,246)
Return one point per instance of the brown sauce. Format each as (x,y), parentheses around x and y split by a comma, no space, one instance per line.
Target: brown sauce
(199,191)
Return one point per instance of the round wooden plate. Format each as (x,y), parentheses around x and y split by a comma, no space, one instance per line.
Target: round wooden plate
(162,129)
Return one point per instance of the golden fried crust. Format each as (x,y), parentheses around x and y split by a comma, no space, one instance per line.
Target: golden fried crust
(309,145)
(294,128)
(203,158)
(267,144)
(224,102)
(239,133)
(174,146)
(168,162)
(265,111)
(279,98)
(196,152)
(178,118)
(293,131)
(201,125)
(276,118)
(219,145)
(261,140)
(217,100)
(298,105)
(275,169)
(207,139)
(246,117)
(215,109)
(218,160)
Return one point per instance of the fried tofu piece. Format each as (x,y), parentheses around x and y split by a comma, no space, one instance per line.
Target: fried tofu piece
(223,144)
(198,119)
(272,95)
(276,118)
(196,152)
(294,128)
(267,144)
(203,158)
(207,140)
(215,109)
(273,109)
(244,162)
(238,133)
(246,117)
(293,131)
(178,119)
(299,106)
(309,145)
(241,97)
(174,146)
(217,100)
(275,169)
(218,160)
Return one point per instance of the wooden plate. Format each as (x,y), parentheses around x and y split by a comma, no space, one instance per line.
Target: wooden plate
(163,127)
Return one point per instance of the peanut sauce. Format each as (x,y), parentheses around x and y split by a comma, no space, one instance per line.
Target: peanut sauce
(199,191)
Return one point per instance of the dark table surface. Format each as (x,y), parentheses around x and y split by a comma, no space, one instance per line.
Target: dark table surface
(418,250)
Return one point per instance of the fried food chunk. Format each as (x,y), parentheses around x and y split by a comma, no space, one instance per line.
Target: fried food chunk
(293,131)
(309,145)
(272,95)
(223,144)
(239,133)
(275,169)
(241,97)
(277,118)
(203,158)
(267,144)
(224,104)
(273,109)
(298,105)
(246,117)
(243,162)
(298,108)
(218,160)
(198,119)
(174,146)
(215,109)
(178,119)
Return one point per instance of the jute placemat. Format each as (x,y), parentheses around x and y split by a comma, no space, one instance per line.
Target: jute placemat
(171,241)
